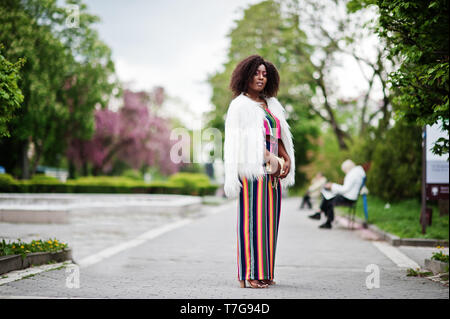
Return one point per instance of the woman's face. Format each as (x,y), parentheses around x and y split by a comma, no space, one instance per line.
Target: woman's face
(259,80)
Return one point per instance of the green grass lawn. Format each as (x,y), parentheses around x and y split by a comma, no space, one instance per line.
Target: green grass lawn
(402,218)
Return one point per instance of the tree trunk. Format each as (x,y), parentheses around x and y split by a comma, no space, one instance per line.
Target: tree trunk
(96,170)
(85,169)
(340,135)
(72,169)
(24,160)
(37,157)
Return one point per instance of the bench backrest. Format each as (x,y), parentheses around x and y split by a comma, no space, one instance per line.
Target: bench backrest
(360,189)
(362,185)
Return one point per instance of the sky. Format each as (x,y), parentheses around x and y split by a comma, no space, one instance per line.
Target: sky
(171,43)
(176,44)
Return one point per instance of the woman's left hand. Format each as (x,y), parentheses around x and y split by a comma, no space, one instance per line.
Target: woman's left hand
(286,168)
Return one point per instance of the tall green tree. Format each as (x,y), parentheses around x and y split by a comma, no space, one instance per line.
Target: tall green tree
(67,73)
(46,60)
(264,30)
(90,82)
(418,34)
(338,37)
(10,94)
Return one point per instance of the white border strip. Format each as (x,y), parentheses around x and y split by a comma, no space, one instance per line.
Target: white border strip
(19,274)
(399,258)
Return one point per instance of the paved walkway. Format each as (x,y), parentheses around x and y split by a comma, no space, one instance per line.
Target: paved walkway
(198,260)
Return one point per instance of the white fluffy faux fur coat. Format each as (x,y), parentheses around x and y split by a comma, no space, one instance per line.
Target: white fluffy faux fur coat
(244,145)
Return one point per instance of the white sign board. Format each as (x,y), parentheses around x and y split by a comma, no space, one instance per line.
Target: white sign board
(437,166)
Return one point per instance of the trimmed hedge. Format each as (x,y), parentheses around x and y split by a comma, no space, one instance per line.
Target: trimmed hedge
(180,183)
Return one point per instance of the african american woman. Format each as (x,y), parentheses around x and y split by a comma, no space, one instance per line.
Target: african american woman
(258,156)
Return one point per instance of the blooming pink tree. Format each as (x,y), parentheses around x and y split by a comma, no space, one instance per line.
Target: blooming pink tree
(133,135)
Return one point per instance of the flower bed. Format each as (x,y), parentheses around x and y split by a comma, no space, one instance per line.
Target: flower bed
(19,255)
(22,248)
(440,255)
(438,263)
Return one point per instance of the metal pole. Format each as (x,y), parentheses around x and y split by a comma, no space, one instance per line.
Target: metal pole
(423,215)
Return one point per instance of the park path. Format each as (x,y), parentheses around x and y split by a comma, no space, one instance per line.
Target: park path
(198,260)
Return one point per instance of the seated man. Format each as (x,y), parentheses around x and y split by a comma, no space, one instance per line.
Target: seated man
(341,195)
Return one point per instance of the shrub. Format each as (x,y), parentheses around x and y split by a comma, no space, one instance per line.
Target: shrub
(41,178)
(132,174)
(190,183)
(396,169)
(183,183)
(106,181)
(6,179)
(8,184)
(42,187)
(189,179)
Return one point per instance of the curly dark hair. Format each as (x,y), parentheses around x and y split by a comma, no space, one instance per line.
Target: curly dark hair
(244,71)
